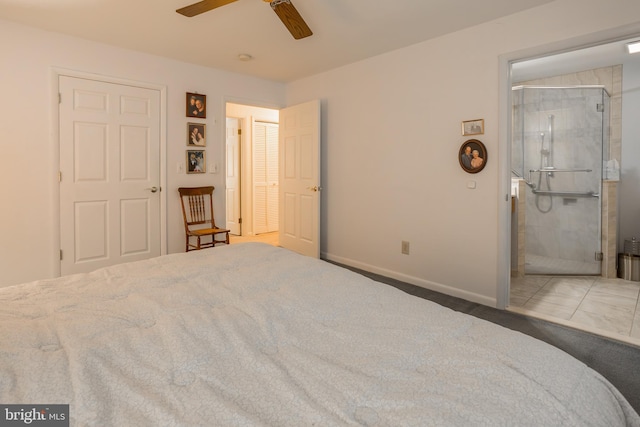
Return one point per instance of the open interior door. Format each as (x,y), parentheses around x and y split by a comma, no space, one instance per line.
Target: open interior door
(299,198)
(232,190)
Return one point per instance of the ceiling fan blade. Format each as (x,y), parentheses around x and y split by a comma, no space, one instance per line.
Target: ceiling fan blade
(202,7)
(291,19)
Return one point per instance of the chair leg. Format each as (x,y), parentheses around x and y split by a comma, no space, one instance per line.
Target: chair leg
(227,238)
(198,243)
(187,247)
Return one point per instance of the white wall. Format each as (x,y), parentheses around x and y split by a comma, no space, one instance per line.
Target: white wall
(391,139)
(28,169)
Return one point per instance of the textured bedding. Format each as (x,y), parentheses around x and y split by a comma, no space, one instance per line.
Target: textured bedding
(250,334)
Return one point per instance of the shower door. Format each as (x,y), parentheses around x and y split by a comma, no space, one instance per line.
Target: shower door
(560,136)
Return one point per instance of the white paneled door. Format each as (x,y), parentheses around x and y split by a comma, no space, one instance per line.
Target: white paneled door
(299,182)
(233,176)
(109,174)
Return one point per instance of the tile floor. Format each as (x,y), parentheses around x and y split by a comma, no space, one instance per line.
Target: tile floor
(607,307)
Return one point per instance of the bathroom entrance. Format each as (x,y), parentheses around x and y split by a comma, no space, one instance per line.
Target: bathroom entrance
(560,143)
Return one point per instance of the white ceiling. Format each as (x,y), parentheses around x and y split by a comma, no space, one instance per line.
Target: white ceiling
(345,31)
(587,58)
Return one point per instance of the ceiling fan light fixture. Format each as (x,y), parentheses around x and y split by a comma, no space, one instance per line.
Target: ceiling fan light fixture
(633,47)
(245,57)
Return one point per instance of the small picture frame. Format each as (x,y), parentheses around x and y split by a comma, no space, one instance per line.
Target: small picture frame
(473,127)
(196,161)
(196,134)
(196,105)
(472,156)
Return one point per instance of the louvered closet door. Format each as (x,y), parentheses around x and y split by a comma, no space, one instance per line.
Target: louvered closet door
(265,177)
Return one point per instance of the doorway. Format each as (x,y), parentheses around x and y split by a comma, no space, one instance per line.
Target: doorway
(600,303)
(299,166)
(251,169)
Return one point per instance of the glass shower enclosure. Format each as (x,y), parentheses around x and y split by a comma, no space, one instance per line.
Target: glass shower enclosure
(560,140)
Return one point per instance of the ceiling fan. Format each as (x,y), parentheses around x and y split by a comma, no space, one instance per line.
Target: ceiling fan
(285,10)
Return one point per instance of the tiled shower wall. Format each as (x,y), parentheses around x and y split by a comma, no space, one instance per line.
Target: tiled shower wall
(611,79)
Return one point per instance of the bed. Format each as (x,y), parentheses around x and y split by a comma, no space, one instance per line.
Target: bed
(251,334)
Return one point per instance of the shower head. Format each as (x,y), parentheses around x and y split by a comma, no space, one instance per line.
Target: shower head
(543,151)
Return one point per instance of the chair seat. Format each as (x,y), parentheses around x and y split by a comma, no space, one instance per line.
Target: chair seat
(207,231)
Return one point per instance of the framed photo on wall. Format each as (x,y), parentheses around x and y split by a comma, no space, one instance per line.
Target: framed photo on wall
(196,161)
(473,127)
(196,105)
(472,156)
(196,134)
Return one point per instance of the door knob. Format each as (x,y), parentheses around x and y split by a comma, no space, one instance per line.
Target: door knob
(153,189)
(314,188)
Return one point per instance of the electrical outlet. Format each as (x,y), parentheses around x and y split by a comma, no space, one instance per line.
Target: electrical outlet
(405,247)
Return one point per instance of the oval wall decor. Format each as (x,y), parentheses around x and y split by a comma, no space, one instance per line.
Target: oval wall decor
(472,156)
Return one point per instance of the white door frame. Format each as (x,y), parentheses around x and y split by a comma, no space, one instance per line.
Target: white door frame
(235,224)
(246,206)
(56,73)
(504,138)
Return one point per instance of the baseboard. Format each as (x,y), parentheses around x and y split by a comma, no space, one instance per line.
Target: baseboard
(432,286)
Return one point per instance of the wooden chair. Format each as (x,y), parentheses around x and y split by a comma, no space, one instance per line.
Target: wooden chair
(197,212)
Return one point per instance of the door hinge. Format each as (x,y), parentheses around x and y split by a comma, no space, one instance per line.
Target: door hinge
(599,256)
(239,220)
(239,131)
(59,98)
(59,176)
(61,255)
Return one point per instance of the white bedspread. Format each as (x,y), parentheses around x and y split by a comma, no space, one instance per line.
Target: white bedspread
(250,334)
